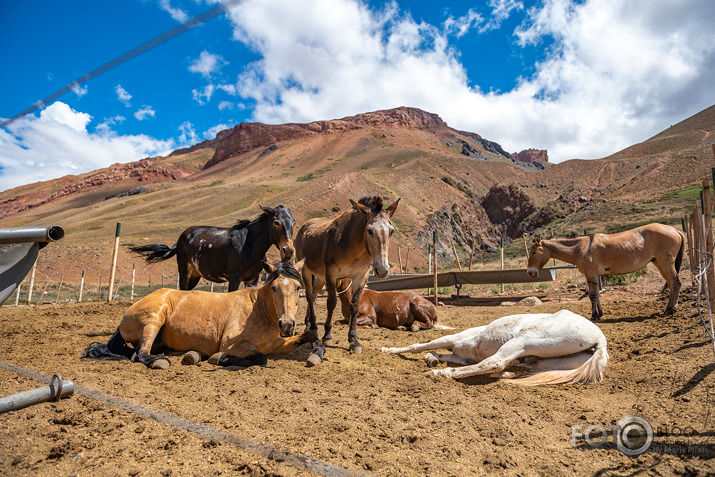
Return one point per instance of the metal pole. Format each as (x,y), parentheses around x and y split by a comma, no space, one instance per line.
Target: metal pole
(57,389)
(17,294)
(114,262)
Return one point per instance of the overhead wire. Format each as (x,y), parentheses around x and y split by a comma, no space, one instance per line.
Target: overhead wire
(188,24)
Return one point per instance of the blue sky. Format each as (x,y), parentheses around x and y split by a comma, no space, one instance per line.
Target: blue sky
(582,79)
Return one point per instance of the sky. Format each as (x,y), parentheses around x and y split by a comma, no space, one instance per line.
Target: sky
(580,78)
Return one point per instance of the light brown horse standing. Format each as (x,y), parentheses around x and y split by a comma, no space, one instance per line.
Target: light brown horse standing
(347,246)
(616,254)
(234,329)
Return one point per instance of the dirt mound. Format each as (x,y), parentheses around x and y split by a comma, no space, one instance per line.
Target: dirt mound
(369,412)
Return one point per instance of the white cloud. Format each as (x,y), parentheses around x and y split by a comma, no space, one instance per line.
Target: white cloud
(176,13)
(122,95)
(206,64)
(225,105)
(615,72)
(79,90)
(211,132)
(188,135)
(144,112)
(203,95)
(58,143)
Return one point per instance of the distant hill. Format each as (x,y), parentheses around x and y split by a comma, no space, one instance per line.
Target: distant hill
(462,185)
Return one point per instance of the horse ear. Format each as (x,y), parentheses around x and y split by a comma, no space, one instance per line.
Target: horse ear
(391,210)
(363,209)
(537,239)
(270,269)
(299,266)
(268,210)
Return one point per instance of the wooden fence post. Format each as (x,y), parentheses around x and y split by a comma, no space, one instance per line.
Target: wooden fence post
(134,269)
(399,259)
(434,259)
(456,257)
(59,289)
(114,263)
(502,260)
(471,255)
(81,288)
(32,283)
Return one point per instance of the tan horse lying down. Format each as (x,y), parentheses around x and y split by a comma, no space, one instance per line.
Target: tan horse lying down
(616,254)
(568,349)
(235,329)
(390,309)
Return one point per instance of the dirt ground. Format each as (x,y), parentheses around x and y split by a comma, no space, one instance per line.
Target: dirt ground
(368,413)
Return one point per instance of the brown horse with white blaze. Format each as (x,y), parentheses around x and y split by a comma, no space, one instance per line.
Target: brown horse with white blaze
(616,254)
(234,329)
(345,247)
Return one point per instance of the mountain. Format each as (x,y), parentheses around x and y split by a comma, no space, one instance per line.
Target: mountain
(458,183)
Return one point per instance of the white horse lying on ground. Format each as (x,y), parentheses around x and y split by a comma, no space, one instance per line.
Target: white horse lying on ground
(568,349)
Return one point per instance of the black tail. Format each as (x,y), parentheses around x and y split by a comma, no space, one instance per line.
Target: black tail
(155,252)
(115,349)
(679,258)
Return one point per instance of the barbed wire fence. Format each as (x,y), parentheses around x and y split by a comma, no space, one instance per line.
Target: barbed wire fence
(699,236)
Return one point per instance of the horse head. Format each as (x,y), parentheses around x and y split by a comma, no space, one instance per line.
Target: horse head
(280,230)
(538,256)
(283,282)
(378,231)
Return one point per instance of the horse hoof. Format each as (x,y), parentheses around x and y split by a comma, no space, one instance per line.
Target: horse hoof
(357,349)
(328,341)
(401,328)
(161,363)
(415,327)
(191,358)
(215,358)
(431,361)
(313,360)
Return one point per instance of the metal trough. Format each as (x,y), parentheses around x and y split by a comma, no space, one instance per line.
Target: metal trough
(57,389)
(19,247)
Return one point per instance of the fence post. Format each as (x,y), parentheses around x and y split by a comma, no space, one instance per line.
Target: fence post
(434,259)
(134,268)
(17,294)
(471,255)
(114,263)
(59,288)
(32,283)
(502,260)
(456,257)
(399,259)
(81,288)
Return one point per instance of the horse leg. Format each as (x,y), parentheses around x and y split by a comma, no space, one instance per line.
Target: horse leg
(233,282)
(445,342)
(312,285)
(508,352)
(143,353)
(421,317)
(433,359)
(331,302)
(673,282)
(288,345)
(593,295)
(355,345)
(190,283)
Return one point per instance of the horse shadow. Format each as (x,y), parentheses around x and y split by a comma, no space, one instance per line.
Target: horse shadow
(695,380)
(629,319)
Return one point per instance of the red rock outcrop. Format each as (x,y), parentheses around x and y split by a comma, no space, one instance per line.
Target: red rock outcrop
(249,136)
(530,156)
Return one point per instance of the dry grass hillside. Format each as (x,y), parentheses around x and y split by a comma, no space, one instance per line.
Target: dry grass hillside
(441,175)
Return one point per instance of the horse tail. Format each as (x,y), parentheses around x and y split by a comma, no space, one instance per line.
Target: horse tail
(589,372)
(681,252)
(154,253)
(114,349)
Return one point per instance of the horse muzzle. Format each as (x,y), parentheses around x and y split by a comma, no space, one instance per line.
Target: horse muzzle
(532,272)
(381,271)
(286,328)
(287,251)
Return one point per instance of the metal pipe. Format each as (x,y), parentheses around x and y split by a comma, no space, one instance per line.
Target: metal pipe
(31,234)
(57,389)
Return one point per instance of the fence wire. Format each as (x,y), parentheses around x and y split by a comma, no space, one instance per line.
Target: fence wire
(699,270)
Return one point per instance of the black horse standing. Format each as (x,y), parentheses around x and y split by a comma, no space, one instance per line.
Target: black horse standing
(232,255)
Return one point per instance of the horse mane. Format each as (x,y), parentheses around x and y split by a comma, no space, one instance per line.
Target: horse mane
(243,223)
(374,202)
(287,269)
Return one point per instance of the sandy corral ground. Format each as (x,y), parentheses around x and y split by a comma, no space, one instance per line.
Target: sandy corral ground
(369,413)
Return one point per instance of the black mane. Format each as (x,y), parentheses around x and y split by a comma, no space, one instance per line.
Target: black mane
(374,202)
(287,269)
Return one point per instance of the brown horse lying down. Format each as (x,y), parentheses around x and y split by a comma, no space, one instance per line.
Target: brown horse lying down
(390,309)
(235,329)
